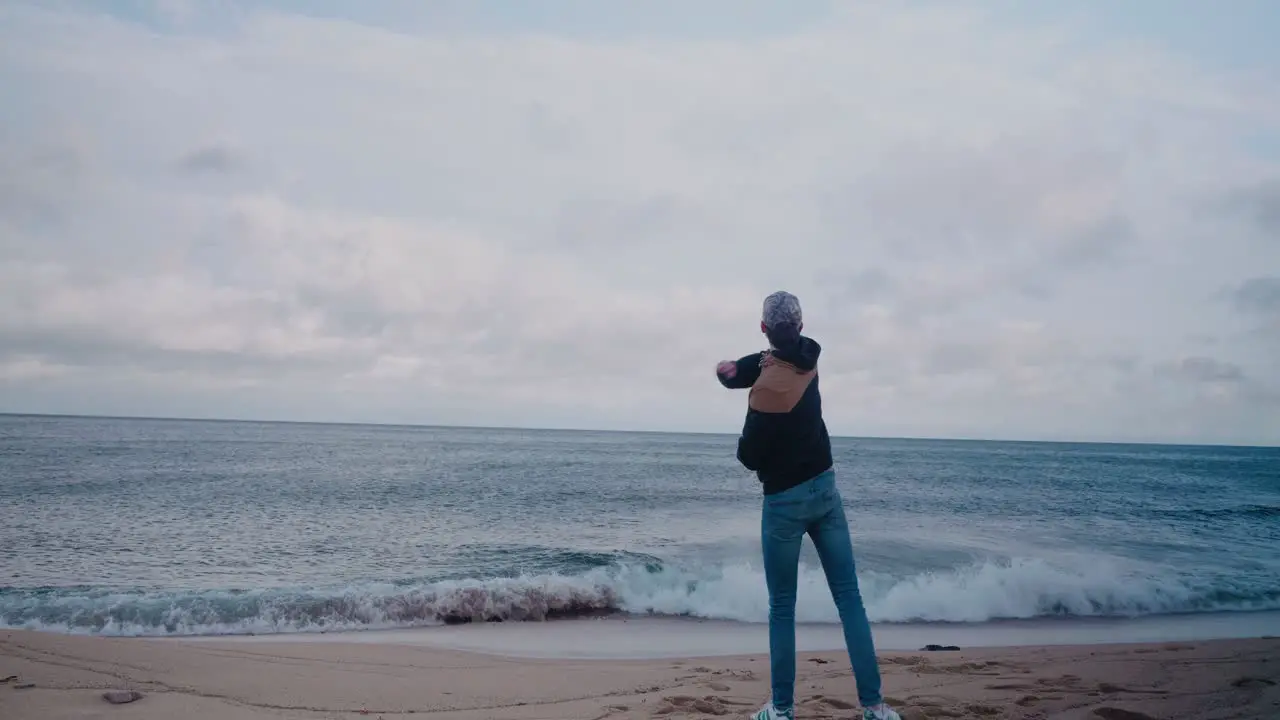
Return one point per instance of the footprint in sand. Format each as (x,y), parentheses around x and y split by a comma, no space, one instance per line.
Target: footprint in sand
(970,668)
(831,702)
(909,660)
(1110,713)
(930,701)
(934,706)
(707,705)
(1253,682)
(1110,689)
(1012,686)
(1066,683)
(938,711)
(718,687)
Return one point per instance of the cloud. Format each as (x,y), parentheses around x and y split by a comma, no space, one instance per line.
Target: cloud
(1258,301)
(41,182)
(1259,295)
(318,212)
(215,158)
(1205,370)
(1260,203)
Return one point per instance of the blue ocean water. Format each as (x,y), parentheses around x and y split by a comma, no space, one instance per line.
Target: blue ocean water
(165,527)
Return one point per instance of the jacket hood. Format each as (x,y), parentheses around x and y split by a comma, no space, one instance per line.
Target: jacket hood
(803,353)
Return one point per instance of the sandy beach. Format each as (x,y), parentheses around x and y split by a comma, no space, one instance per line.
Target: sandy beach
(51,677)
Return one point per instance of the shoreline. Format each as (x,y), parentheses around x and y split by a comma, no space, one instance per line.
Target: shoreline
(229,679)
(623,636)
(643,637)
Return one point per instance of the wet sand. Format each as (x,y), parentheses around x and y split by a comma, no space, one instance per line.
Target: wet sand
(228,679)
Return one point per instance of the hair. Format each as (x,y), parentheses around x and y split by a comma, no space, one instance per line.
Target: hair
(783,335)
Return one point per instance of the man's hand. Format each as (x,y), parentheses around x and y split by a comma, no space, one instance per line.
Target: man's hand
(727,369)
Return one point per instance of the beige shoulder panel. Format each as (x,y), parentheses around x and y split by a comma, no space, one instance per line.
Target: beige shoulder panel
(779,387)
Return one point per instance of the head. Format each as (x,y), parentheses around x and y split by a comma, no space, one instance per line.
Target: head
(782,320)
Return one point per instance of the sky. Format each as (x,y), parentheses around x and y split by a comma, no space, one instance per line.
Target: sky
(1018,220)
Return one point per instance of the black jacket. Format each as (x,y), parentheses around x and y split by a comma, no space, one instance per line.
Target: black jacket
(784,439)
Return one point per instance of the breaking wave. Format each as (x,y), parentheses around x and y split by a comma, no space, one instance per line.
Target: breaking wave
(984,591)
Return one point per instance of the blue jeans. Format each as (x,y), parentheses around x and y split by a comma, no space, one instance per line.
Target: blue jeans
(813,507)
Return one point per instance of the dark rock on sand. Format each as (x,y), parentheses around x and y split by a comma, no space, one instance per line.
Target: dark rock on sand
(120,697)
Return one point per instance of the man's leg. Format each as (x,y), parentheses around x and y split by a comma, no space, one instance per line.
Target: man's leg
(781,532)
(830,535)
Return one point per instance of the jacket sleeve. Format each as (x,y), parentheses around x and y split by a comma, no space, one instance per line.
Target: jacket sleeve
(756,441)
(748,373)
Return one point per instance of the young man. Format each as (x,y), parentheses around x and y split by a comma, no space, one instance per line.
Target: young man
(784,440)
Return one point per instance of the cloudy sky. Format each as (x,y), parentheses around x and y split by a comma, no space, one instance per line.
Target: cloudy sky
(1058,222)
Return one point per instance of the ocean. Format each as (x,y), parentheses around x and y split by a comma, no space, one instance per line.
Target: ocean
(181,528)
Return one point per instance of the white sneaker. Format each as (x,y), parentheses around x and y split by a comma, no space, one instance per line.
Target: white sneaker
(768,712)
(880,712)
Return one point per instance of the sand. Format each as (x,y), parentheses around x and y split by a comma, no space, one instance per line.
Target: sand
(229,680)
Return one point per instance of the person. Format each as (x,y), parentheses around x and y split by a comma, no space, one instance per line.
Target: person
(785,442)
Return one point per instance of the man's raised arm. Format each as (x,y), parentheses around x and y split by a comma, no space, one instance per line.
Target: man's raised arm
(741,373)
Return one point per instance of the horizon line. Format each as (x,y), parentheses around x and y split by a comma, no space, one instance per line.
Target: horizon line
(438,426)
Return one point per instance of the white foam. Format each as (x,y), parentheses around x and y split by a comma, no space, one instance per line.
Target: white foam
(993,590)
(1016,589)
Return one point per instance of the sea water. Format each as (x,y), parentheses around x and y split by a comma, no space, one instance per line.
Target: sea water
(180,528)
